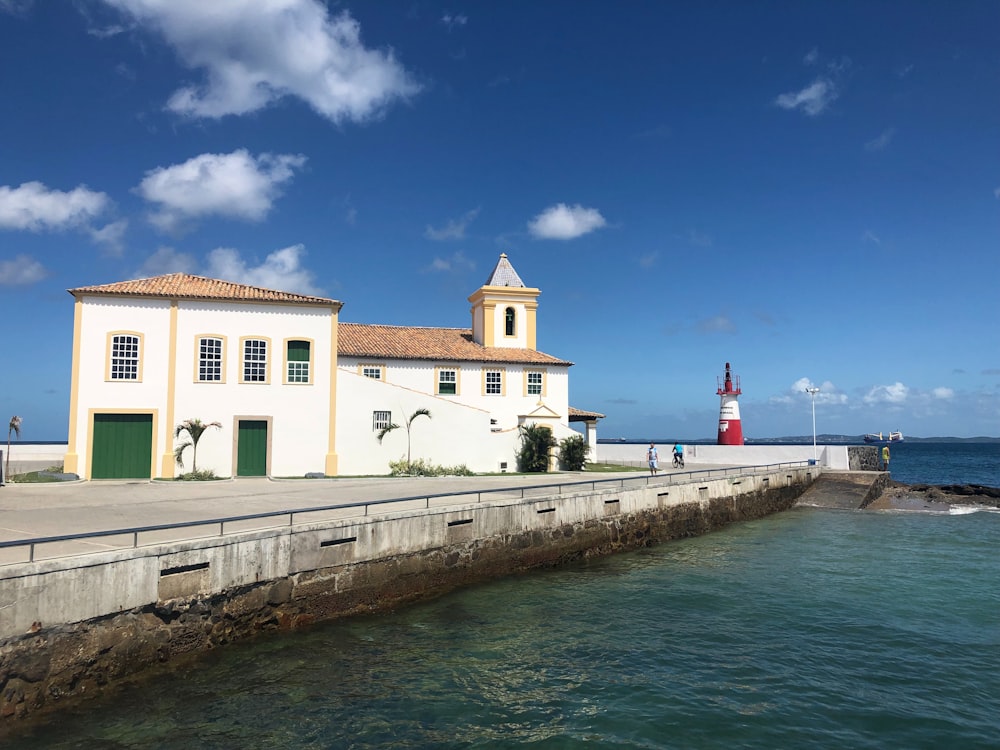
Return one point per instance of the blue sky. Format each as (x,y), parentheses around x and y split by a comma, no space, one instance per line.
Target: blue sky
(809,190)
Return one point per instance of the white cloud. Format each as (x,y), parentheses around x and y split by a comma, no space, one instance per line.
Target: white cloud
(34,207)
(562,222)
(111,236)
(167,260)
(942,393)
(887,394)
(16,7)
(236,185)
(451,21)
(870,236)
(21,271)
(716,324)
(812,100)
(282,270)
(828,393)
(457,262)
(649,259)
(812,57)
(880,142)
(454,229)
(254,53)
(996,193)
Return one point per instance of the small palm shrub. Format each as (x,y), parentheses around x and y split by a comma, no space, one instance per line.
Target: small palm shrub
(537,441)
(573,453)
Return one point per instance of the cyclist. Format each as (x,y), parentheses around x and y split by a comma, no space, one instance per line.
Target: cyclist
(679,455)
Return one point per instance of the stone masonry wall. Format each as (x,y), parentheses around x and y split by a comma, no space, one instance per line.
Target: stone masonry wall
(45,670)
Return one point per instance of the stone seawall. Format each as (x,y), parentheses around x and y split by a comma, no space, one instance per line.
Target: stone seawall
(350,567)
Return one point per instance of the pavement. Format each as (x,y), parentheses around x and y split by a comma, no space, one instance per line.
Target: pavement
(30,511)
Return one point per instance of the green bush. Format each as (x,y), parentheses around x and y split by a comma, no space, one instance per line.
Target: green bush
(573,453)
(421,468)
(537,441)
(202,475)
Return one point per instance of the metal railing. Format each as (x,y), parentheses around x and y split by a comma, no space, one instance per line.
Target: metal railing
(289,515)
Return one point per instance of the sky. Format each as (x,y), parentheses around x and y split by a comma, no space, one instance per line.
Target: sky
(808,190)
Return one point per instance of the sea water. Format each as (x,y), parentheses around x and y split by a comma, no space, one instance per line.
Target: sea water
(807,629)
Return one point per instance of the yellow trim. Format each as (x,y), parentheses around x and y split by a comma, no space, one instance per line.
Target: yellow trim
(489,315)
(362,366)
(154,413)
(267,364)
(331,449)
(486,299)
(197,357)
(531,313)
(458,380)
(312,356)
(71,462)
(109,348)
(167,459)
(503,380)
(545,380)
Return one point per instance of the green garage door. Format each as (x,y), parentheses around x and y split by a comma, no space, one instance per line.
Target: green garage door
(123,446)
(251,448)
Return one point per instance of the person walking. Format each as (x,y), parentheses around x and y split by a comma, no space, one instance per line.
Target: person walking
(652,457)
(885,458)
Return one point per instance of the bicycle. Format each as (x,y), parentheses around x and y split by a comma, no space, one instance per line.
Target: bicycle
(678,460)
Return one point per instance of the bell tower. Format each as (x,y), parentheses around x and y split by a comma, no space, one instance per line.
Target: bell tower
(504,310)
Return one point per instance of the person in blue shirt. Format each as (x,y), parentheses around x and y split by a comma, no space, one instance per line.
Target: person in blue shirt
(678,454)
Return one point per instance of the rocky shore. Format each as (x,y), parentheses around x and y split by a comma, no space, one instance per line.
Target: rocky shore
(900,496)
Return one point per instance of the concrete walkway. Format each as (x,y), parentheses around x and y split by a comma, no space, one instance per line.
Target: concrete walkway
(41,510)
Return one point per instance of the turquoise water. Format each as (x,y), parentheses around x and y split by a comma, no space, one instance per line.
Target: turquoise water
(808,629)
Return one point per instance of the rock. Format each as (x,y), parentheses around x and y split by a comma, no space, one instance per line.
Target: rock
(901,496)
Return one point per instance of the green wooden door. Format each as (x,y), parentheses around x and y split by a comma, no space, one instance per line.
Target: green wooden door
(123,446)
(251,448)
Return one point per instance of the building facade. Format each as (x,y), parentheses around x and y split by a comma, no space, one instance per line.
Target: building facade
(297,392)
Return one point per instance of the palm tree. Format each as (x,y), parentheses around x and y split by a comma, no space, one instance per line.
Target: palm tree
(13,427)
(393,426)
(194,428)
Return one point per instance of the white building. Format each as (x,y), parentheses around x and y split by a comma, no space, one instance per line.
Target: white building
(295,390)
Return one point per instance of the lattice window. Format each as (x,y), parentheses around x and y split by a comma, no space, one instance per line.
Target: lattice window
(210,360)
(124,357)
(298,361)
(447,382)
(381,420)
(494,382)
(255,361)
(534,384)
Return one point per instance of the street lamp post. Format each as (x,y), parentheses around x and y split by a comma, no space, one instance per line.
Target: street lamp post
(812,393)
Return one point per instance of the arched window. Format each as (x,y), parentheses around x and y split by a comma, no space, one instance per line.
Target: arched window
(509,321)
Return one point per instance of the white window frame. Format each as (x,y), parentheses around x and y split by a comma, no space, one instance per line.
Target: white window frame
(381,420)
(124,357)
(254,371)
(201,361)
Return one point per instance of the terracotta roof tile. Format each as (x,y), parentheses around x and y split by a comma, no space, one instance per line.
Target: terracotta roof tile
(439,344)
(186,286)
(579,415)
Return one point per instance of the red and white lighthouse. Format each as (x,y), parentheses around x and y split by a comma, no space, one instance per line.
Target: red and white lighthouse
(730,429)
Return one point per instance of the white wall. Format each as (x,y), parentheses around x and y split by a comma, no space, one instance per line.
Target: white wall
(420,376)
(454,434)
(299,411)
(831,456)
